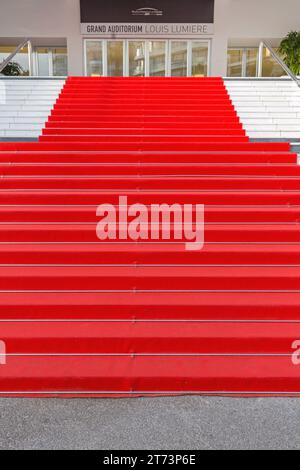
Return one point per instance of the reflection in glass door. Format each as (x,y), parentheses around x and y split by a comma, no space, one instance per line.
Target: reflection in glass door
(235,63)
(115,58)
(157,58)
(137,58)
(251,62)
(51,61)
(43,62)
(59,61)
(199,59)
(179,57)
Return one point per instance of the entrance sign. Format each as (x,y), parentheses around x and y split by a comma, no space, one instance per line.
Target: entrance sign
(147,18)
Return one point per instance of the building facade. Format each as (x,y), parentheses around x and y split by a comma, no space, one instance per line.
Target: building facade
(145,37)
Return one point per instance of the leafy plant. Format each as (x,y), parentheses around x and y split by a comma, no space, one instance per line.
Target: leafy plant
(290,50)
(13,69)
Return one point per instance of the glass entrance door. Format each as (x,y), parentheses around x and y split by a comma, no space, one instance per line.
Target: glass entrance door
(136,58)
(157,58)
(115,58)
(147,58)
(199,59)
(179,58)
(94,58)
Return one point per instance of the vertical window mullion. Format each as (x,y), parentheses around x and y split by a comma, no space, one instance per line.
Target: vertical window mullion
(189,58)
(166,57)
(125,58)
(35,63)
(50,58)
(169,58)
(85,56)
(244,63)
(147,59)
(104,55)
(209,49)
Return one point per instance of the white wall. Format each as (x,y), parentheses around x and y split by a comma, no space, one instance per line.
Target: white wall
(246,22)
(242,22)
(48,19)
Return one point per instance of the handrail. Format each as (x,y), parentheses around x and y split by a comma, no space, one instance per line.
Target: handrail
(13,54)
(278,60)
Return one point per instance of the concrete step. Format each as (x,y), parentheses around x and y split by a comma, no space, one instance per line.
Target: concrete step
(37,89)
(270,87)
(264,114)
(274,134)
(25,113)
(267,109)
(271,120)
(284,106)
(9,81)
(272,127)
(25,105)
(23,126)
(260,83)
(18,133)
(257,97)
(263,92)
(25,96)
(16,108)
(27,102)
(6,121)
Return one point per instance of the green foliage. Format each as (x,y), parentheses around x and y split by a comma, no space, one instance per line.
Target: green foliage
(290,50)
(13,69)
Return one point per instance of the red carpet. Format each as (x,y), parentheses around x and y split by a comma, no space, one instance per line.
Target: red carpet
(84,318)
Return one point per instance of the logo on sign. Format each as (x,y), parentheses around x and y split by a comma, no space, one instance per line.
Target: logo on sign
(147,12)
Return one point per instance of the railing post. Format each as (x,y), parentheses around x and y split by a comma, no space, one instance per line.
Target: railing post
(260,60)
(30,61)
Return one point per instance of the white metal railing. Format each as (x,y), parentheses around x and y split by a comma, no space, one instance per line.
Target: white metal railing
(265,44)
(15,52)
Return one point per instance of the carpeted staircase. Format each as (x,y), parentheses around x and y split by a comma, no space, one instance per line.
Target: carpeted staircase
(80,317)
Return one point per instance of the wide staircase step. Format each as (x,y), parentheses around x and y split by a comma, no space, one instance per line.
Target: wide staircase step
(25,104)
(84,317)
(267,109)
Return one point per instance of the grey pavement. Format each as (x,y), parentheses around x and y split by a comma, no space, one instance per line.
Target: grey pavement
(150,423)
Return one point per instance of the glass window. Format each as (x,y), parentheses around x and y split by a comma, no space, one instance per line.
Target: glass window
(157,58)
(251,62)
(94,58)
(136,59)
(60,62)
(115,58)
(42,55)
(199,59)
(243,62)
(178,58)
(235,63)
(271,68)
(21,58)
